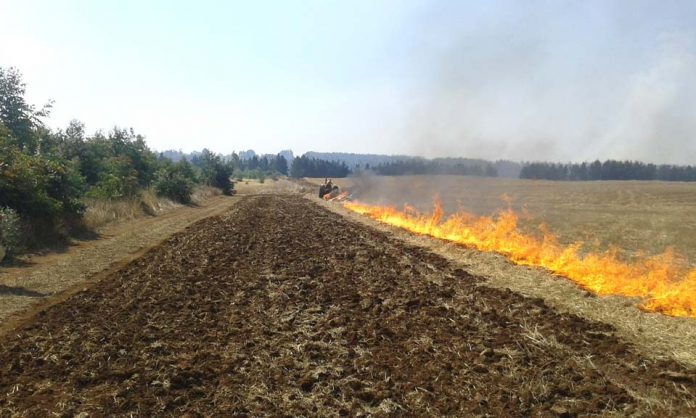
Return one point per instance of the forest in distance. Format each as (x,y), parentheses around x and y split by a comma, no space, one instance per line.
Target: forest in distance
(337,164)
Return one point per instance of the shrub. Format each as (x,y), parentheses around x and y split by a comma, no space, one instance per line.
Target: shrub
(119,179)
(214,171)
(220,178)
(10,231)
(39,188)
(173,185)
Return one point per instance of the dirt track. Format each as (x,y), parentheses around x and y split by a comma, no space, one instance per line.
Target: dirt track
(280,307)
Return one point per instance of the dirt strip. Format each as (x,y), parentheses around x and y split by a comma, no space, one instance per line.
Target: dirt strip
(282,308)
(43,279)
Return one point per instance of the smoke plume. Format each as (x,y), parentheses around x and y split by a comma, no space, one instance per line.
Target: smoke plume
(565,81)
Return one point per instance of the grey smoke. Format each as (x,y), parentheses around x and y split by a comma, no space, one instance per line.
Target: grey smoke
(568,81)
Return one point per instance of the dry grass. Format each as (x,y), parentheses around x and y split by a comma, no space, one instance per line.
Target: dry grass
(636,217)
(102,212)
(203,193)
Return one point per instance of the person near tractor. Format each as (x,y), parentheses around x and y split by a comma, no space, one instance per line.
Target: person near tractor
(326,188)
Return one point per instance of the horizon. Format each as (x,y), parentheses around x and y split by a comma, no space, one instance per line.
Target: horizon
(520,81)
(521,163)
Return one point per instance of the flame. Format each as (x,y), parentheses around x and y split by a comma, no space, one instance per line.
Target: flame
(664,282)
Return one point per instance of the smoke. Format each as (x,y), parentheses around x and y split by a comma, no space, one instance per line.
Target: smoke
(453,192)
(565,81)
(656,119)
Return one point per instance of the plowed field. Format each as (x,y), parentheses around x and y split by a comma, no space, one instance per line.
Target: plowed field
(280,307)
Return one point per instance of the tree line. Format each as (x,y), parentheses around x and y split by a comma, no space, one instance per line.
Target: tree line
(260,167)
(357,161)
(46,174)
(449,166)
(608,170)
(245,164)
(304,166)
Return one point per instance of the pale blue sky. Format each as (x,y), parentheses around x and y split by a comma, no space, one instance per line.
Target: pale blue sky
(549,80)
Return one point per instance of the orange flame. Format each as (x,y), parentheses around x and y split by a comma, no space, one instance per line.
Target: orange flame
(664,283)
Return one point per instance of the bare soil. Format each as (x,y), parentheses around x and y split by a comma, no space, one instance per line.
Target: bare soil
(40,279)
(280,307)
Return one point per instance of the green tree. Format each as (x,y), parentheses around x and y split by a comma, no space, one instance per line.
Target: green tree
(19,117)
(126,143)
(173,180)
(280,164)
(117,179)
(214,171)
(37,187)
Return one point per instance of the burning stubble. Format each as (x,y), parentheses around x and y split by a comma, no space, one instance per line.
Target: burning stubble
(664,283)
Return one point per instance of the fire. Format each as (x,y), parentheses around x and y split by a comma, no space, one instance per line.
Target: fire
(664,283)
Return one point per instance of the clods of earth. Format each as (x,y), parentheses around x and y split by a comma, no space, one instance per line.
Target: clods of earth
(282,308)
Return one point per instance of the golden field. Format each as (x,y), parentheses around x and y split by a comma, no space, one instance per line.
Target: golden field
(634,217)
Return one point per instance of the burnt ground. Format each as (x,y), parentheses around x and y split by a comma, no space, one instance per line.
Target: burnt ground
(280,307)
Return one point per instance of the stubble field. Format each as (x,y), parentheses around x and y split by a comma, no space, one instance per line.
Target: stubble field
(635,217)
(282,308)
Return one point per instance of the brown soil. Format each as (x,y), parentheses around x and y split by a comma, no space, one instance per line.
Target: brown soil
(39,279)
(282,308)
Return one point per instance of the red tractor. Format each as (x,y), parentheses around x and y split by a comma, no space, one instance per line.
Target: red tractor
(328,190)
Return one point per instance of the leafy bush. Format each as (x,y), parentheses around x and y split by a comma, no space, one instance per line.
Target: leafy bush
(117,180)
(174,185)
(66,185)
(221,179)
(38,187)
(10,231)
(127,145)
(214,171)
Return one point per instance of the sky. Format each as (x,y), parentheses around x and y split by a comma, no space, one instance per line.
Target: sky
(525,80)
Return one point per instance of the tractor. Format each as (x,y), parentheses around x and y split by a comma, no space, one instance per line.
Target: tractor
(328,190)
